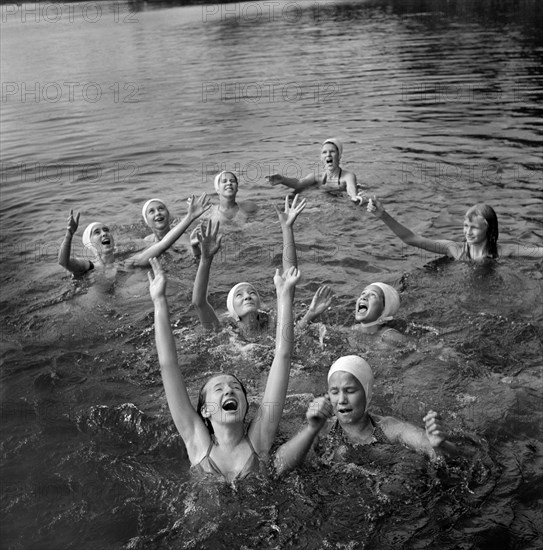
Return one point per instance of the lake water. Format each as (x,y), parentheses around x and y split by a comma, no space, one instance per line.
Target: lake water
(105,105)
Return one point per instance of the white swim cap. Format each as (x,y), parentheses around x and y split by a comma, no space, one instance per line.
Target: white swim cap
(392,301)
(230,299)
(359,368)
(87,233)
(218,177)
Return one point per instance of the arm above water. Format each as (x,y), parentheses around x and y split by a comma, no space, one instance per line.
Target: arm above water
(287,219)
(196,209)
(520,250)
(450,248)
(293,183)
(74,265)
(263,429)
(432,441)
(210,243)
(292,453)
(189,424)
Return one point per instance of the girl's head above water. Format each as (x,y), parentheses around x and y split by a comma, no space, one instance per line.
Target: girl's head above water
(336,143)
(242,299)
(219,177)
(377,304)
(146,207)
(223,395)
(357,367)
(486,214)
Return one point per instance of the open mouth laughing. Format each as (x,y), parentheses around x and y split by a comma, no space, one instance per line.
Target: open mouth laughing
(230,405)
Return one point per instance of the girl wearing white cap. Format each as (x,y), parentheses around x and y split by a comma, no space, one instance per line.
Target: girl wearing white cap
(377,305)
(480,236)
(243,302)
(350,388)
(220,445)
(156,216)
(99,244)
(333,180)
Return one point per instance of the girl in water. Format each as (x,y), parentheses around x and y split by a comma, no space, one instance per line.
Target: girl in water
(350,387)
(100,245)
(156,216)
(243,302)
(480,236)
(219,444)
(333,180)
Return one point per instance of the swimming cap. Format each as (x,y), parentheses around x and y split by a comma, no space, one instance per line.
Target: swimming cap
(218,177)
(230,299)
(146,205)
(359,368)
(87,233)
(337,143)
(392,301)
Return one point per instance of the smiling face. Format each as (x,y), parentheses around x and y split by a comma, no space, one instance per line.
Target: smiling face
(157,216)
(370,305)
(330,156)
(228,185)
(101,240)
(347,397)
(246,300)
(224,399)
(475,230)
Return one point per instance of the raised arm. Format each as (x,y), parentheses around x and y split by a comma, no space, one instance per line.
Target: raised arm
(210,243)
(292,453)
(74,265)
(287,219)
(196,209)
(293,183)
(188,423)
(450,248)
(263,429)
(321,302)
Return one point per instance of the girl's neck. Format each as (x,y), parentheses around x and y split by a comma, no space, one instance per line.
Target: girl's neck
(160,233)
(226,203)
(332,171)
(228,436)
(105,259)
(360,432)
(478,251)
(365,329)
(250,322)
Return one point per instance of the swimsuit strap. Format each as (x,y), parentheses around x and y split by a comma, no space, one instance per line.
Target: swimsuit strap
(326,176)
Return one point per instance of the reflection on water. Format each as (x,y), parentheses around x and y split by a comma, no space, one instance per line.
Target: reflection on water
(437,104)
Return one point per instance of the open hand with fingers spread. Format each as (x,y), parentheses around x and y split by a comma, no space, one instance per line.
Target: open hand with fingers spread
(209,239)
(287,281)
(291,212)
(198,206)
(435,430)
(321,300)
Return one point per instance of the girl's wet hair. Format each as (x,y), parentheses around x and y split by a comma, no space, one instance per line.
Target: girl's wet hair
(492,232)
(202,399)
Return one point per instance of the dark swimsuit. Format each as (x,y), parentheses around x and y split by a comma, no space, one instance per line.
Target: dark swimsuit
(338,179)
(336,445)
(208,467)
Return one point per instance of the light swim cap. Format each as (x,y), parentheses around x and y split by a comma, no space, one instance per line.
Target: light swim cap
(218,177)
(230,299)
(146,205)
(87,234)
(337,143)
(392,304)
(359,368)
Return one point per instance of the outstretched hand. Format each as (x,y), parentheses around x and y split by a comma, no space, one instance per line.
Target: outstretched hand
(291,212)
(375,206)
(209,239)
(435,432)
(321,300)
(287,280)
(73,223)
(319,410)
(157,280)
(275,179)
(198,206)
(360,199)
